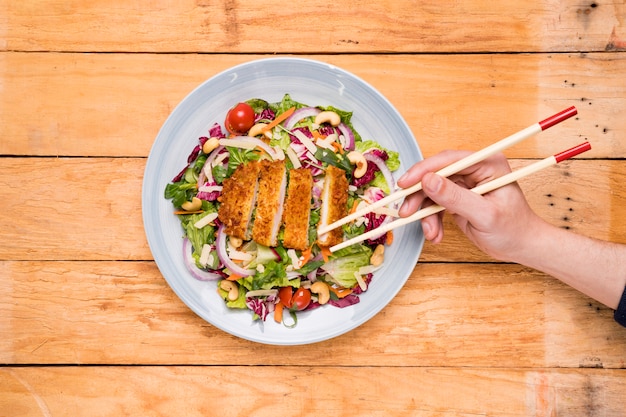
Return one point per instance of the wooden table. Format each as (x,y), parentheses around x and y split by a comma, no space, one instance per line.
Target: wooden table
(88,325)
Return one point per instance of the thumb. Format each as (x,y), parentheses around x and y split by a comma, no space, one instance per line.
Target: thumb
(455,199)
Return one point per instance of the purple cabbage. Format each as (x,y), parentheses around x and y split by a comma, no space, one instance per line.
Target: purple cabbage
(372,168)
(328,130)
(216,131)
(208,195)
(266,114)
(346,301)
(373,221)
(258,306)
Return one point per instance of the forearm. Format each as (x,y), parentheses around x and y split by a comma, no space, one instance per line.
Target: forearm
(595,268)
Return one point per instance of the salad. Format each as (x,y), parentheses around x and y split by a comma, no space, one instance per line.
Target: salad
(253,193)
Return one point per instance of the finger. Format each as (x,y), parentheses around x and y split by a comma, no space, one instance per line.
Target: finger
(411,204)
(432,226)
(455,199)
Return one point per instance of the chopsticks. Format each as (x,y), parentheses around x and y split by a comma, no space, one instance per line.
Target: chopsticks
(460,165)
(480,189)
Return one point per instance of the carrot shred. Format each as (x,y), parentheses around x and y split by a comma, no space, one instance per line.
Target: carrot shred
(355,204)
(233,277)
(389,238)
(279,119)
(341,292)
(325,253)
(317,135)
(278,312)
(306,255)
(338,148)
(188,212)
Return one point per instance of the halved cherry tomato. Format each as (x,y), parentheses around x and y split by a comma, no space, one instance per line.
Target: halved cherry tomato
(285,294)
(294,300)
(239,119)
(301,299)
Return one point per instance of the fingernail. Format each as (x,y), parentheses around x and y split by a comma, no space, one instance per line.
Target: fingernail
(403,177)
(426,229)
(434,183)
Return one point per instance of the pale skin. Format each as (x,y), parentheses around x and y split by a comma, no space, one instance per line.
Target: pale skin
(503,225)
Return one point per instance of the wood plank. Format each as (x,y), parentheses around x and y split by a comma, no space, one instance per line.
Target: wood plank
(471,101)
(115,104)
(278,27)
(310,391)
(90,208)
(448,315)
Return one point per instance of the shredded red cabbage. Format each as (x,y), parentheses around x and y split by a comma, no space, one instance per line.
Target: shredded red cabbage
(267,114)
(374,221)
(372,168)
(208,195)
(216,131)
(346,301)
(328,130)
(258,306)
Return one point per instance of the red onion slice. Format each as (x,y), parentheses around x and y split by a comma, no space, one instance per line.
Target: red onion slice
(207,164)
(190,263)
(391,183)
(300,114)
(348,136)
(225,259)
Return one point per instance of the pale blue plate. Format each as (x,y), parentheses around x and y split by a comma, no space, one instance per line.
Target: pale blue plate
(311,82)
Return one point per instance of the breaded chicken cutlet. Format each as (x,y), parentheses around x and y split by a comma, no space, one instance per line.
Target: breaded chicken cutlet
(269,207)
(298,209)
(334,201)
(263,186)
(238,200)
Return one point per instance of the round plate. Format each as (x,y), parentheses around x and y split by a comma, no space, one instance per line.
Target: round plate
(307,81)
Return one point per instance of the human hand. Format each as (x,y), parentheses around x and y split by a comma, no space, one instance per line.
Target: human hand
(500,222)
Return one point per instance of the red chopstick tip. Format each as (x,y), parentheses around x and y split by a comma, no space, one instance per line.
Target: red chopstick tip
(558,118)
(572,152)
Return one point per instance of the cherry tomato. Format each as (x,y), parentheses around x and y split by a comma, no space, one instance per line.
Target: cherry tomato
(285,294)
(239,119)
(301,299)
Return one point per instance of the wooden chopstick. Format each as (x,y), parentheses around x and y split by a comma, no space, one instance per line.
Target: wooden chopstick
(480,189)
(459,165)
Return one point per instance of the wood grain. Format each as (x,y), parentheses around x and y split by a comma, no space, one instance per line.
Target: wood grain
(450,315)
(89,326)
(310,391)
(90,208)
(95,104)
(324,26)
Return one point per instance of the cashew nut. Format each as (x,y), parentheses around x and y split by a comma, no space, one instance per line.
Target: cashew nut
(210,145)
(232,288)
(235,242)
(378,256)
(193,205)
(259,129)
(328,117)
(357,159)
(321,289)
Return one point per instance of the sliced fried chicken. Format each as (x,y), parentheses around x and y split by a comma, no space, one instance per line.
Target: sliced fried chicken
(269,209)
(298,209)
(334,201)
(239,194)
